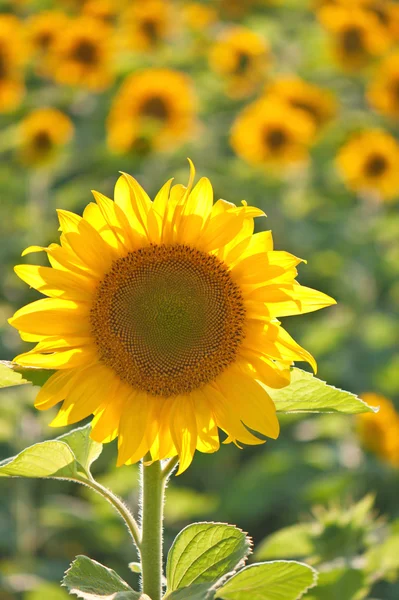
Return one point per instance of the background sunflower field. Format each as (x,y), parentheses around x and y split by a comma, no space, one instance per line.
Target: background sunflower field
(292,105)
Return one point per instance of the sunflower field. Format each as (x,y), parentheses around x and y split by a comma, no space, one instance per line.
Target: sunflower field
(173,323)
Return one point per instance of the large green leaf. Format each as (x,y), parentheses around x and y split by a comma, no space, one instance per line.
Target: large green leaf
(12,374)
(308,394)
(204,552)
(66,457)
(279,580)
(90,580)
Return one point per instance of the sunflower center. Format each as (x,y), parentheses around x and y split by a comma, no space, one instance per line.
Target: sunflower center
(44,39)
(275,139)
(376,165)
(242,63)
(352,40)
(85,52)
(3,65)
(42,141)
(155,108)
(168,319)
(150,30)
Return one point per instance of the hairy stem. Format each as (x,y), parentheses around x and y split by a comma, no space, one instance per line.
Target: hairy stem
(153,491)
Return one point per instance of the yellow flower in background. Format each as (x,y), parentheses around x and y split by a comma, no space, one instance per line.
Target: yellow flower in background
(82,55)
(242,57)
(269,132)
(369,163)
(43,28)
(357,35)
(105,11)
(154,109)
(161,321)
(317,103)
(42,133)
(146,25)
(199,16)
(383,92)
(379,432)
(12,56)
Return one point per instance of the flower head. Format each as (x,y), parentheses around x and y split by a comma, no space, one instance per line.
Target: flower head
(161,321)
(357,35)
(12,56)
(154,108)
(369,162)
(383,92)
(242,57)
(379,432)
(316,103)
(42,133)
(82,55)
(43,28)
(146,25)
(269,132)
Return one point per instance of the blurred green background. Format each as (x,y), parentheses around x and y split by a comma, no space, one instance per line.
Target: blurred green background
(351,244)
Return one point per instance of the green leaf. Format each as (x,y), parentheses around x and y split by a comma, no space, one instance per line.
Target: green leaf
(12,374)
(90,580)
(308,394)
(296,541)
(203,591)
(277,580)
(204,552)
(66,457)
(85,449)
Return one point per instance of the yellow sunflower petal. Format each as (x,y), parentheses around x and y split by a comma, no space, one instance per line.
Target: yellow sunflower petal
(52,316)
(183,428)
(55,389)
(57,284)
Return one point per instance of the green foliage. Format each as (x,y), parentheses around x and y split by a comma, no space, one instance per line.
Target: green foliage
(269,581)
(89,580)
(12,374)
(67,457)
(342,583)
(306,393)
(205,552)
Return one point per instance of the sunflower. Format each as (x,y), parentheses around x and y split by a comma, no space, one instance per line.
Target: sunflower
(154,108)
(105,11)
(162,318)
(242,57)
(357,35)
(199,16)
(318,104)
(12,56)
(379,432)
(82,55)
(147,24)
(369,162)
(383,92)
(270,132)
(42,133)
(43,28)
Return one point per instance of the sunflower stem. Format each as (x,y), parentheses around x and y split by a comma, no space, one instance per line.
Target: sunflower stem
(167,470)
(153,492)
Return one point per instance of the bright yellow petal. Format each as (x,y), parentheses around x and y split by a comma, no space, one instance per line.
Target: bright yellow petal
(183,428)
(52,316)
(55,283)
(132,441)
(55,389)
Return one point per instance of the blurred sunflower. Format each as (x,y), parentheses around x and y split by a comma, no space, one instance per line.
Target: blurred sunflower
(42,133)
(82,55)
(106,11)
(369,162)
(146,25)
(320,105)
(199,16)
(270,132)
(43,28)
(154,109)
(383,92)
(162,319)
(12,56)
(242,57)
(379,432)
(357,35)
